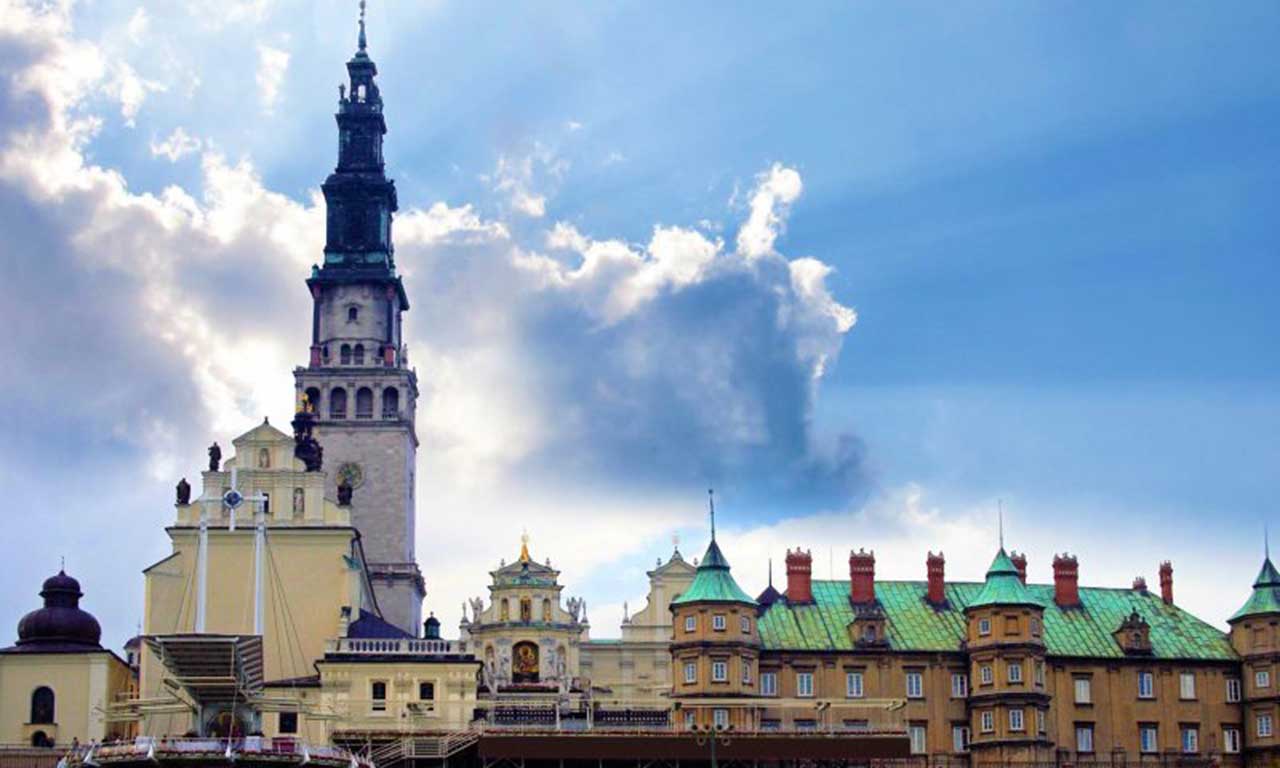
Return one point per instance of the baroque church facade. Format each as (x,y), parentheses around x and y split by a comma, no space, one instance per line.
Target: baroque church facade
(285,626)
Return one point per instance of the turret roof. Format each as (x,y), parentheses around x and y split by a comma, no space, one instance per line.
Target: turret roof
(713,583)
(1003,585)
(1266,593)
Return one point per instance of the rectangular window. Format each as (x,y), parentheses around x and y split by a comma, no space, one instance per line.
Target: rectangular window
(770,724)
(426,691)
(1015,720)
(1084,739)
(1040,721)
(378,695)
(1084,690)
(960,738)
(1262,678)
(720,717)
(768,683)
(1233,689)
(959,685)
(985,674)
(1035,627)
(984,627)
(717,622)
(804,684)
(746,625)
(690,719)
(690,623)
(1230,739)
(1148,738)
(806,724)
(915,685)
(719,671)
(1146,685)
(1187,685)
(987,721)
(1040,673)
(1015,672)
(919,742)
(288,722)
(690,672)
(1264,726)
(746,671)
(855,725)
(1190,739)
(853,685)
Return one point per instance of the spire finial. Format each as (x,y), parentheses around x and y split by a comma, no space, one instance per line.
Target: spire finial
(362,40)
(1000,518)
(524,546)
(771,571)
(711,502)
(63,565)
(1266,541)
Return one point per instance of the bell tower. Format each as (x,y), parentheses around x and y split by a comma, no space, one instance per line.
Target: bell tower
(358,382)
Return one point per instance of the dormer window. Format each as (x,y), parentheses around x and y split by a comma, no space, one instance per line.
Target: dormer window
(1134,635)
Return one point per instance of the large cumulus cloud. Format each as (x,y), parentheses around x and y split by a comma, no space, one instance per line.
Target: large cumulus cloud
(574,384)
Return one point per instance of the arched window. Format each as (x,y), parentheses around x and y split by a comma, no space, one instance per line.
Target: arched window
(313,400)
(364,403)
(41,739)
(42,705)
(338,403)
(359,354)
(324,353)
(353,314)
(344,354)
(390,403)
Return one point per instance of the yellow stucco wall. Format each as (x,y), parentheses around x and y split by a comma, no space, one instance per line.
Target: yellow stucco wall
(83,684)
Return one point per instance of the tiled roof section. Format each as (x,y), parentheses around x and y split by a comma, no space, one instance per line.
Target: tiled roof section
(1266,593)
(1003,585)
(713,582)
(916,625)
(371,626)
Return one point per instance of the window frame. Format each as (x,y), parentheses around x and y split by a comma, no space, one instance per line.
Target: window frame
(1013,672)
(1183,679)
(984,627)
(917,677)
(1234,690)
(769,683)
(745,624)
(430,687)
(961,735)
(718,622)
(959,685)
(1077,682)
(1143,730)
(1084,730)
(1262,678)
(280,723)
(1189,746)
(854,687)
(987,721)
(719,670)
(690,623)
(720,718)
(804,685)
(1230,740)
(1259,719)
(1147,677)
(377,703)
(986,674)
(922,730)
(690,672)
(1017,720)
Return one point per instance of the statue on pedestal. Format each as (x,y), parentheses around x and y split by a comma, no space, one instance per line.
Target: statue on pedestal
(184,491)
(215,457)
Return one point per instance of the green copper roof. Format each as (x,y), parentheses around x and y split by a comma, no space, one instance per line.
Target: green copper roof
(1266,593)
(713,582)
(915,625)
(1003,586)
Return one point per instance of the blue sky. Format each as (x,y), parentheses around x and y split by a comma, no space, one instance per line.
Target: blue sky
(1055,224)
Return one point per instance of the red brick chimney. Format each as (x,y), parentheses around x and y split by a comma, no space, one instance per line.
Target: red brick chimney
(935,567)
(862,577)
(1066,580)
(799,576)
(1139,584)
(1020,562)
(1166,582)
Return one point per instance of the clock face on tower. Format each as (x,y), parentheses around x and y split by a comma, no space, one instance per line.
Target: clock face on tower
(350,473)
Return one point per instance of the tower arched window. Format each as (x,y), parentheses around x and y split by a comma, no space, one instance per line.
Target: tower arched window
(338,403)
(42,709)
(344,356)
(313,400)
(358,355)
(390,403)
(353,314)
(364,403)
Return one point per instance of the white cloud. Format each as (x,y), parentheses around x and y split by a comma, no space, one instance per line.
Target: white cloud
(130,89)
(614,158)
(521,177)
(176,146)
(138,25)
(573,126)
(273,63)
(776,189)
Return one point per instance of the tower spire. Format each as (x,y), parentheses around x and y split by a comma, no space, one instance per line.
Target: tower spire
(362,39)
(1000,520)
(711,502)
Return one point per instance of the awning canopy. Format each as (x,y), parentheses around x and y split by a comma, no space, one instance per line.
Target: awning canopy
(212,669)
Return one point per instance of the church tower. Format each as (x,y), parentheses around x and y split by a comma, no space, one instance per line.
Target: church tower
(358,381)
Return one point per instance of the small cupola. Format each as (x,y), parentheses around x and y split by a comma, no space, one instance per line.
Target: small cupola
(1134,635)
(60,625)
(868,628)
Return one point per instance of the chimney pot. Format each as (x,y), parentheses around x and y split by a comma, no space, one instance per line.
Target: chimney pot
(799,576)
(1139,584)
(1066,580)
(862,577)
(1020,562)
(935,567)
(1166,582)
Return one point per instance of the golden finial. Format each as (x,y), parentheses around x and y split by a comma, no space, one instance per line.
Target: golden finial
(524,547)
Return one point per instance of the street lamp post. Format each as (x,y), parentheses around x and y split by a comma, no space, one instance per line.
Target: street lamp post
(710,734)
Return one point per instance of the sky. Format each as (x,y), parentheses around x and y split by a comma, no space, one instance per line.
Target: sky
(871,271)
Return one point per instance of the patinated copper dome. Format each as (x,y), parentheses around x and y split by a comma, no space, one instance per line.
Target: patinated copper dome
(60,624)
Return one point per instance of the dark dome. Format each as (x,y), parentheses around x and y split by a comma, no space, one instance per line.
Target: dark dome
(60,624)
